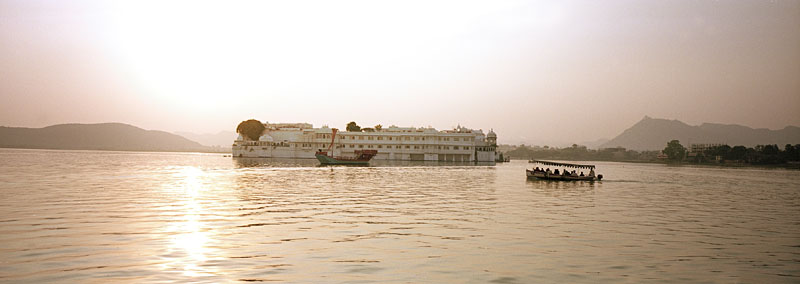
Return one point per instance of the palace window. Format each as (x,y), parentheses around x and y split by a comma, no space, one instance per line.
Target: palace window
(380,146)
(360,146)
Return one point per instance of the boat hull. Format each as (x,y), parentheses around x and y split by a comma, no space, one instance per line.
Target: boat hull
(546,176)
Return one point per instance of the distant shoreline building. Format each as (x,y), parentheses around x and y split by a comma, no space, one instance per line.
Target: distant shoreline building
(302,140)
(699,149)
(702,147)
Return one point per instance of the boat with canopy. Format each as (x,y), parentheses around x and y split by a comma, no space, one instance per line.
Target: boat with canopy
(562,174)
(361,157)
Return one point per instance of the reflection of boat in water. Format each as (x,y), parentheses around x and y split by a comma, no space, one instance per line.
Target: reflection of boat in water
(565,175)
(361,157)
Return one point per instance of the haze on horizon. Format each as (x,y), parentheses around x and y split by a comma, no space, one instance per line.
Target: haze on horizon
(533,71)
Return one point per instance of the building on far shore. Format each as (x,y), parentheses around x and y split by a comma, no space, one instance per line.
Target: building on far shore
(302,140)
(702,147)
(697,150)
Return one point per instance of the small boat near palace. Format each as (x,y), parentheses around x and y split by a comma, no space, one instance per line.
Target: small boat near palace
(362,157)
(563,174)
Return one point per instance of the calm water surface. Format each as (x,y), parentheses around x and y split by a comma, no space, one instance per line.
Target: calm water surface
(83,216)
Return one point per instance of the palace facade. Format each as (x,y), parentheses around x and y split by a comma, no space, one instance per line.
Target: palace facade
(302,140)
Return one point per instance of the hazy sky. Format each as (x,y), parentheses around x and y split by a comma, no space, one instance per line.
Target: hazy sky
(532,70)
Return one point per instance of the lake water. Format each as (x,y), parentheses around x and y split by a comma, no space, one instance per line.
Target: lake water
(86,216)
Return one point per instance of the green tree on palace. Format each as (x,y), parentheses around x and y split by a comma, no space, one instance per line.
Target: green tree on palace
(353,127)
(675,151)
(251,129)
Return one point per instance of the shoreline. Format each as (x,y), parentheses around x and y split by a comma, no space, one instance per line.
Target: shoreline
(121,150)
(789,166)
(717,165)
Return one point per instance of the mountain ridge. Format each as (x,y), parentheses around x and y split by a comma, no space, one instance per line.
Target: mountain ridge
(654,133)
(113,136)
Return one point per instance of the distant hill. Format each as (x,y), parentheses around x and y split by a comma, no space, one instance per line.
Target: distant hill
(222,139)
(101,136)
(653,134)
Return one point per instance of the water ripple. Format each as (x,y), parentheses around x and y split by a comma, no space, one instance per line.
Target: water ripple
(83,216)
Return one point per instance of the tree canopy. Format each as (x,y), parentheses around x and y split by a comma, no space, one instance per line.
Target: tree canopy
(761,154)
(758,155)
(675,151)
(250,129)
(353,127)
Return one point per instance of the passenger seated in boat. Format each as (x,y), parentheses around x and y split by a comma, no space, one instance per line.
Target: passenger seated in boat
(548,171)
(556,172)
(582,174)
(591,172)
(573,173)
(536,170)
(566,173)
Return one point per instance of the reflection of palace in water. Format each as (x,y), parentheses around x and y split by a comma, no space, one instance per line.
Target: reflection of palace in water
(246,162)
(302,140)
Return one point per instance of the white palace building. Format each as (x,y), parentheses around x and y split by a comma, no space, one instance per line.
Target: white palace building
(302,140)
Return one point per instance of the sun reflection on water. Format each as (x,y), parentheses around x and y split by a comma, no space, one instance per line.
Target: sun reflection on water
(189,248)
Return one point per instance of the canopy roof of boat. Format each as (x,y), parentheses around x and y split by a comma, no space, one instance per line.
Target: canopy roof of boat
(557,164)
